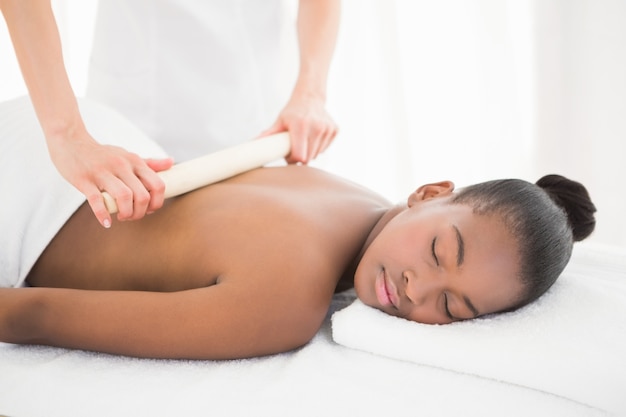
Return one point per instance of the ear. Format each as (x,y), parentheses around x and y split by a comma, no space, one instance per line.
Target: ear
(427,191)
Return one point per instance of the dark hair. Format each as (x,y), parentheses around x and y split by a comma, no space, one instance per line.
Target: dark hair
(545,218)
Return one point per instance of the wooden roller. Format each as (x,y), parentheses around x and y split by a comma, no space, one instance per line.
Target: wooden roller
(217,166)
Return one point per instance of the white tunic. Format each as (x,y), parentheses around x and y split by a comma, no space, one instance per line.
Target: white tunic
(195,75)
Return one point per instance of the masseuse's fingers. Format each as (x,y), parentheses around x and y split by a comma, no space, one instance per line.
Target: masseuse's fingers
(299,144)
(155,185)
(93,168)
(311,128)
(139,191)
(319,141)
(132,197)
(310,139)
(96,202)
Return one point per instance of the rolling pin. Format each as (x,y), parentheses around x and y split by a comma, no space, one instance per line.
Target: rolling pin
(217,166)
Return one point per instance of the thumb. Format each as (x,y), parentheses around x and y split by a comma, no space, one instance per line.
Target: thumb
(277,127)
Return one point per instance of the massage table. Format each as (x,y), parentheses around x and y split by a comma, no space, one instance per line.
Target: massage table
(564,355)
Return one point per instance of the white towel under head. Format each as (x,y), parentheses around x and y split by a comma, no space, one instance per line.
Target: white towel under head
(571,342)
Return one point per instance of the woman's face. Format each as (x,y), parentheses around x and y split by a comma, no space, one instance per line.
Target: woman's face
(437,262)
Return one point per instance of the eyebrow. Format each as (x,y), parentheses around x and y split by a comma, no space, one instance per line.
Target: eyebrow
(460,254)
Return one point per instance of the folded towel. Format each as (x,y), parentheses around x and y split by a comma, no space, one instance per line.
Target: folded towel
(37,201)
(571,342)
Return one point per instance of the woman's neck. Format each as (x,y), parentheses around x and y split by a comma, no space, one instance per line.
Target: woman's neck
(347,281)
(380,225)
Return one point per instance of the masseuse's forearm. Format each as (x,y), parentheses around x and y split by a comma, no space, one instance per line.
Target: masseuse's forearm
(318,26)
(79,158)
(37,46)
(305,115)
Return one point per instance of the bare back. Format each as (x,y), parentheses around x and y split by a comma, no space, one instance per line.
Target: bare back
(275,241)
(272,218)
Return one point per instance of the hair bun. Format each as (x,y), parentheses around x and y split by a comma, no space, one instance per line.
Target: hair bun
(572,197)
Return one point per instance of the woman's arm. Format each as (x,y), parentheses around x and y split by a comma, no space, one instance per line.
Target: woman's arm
(305,116)
(223,321)
(90,167)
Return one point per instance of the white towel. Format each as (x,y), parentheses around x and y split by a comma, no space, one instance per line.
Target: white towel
(571,342)
(36,200)
(319,379)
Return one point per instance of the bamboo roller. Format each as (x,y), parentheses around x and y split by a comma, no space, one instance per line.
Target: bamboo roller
(217,166)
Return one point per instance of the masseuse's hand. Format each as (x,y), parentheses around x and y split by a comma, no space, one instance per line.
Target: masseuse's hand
(311,128)
(87,165)
(93,168)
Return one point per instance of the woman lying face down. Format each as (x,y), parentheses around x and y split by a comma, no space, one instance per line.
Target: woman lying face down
(248,266)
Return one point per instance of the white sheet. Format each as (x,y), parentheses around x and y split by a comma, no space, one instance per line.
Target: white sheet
(571,342)
(320,379)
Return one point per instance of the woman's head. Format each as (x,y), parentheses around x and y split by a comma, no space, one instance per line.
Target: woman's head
(488,248)
(546,218)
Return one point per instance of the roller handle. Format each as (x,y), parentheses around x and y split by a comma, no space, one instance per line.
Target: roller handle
(217,166)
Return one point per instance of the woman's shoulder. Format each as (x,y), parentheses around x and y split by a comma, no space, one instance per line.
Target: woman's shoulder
(310,180)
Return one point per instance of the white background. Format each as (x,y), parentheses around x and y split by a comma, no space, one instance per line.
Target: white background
(466,90)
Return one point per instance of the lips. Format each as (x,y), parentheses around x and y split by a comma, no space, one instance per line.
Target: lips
(385,291)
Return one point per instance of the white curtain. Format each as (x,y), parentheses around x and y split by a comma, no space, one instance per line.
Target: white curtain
(473,90)
(466,90)
(435,90)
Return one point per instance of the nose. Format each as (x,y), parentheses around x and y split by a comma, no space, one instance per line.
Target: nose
(420,287)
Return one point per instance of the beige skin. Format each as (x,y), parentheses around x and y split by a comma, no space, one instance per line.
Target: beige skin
(248,267)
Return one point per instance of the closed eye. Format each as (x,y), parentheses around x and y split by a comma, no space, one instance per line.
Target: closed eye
(432,249)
